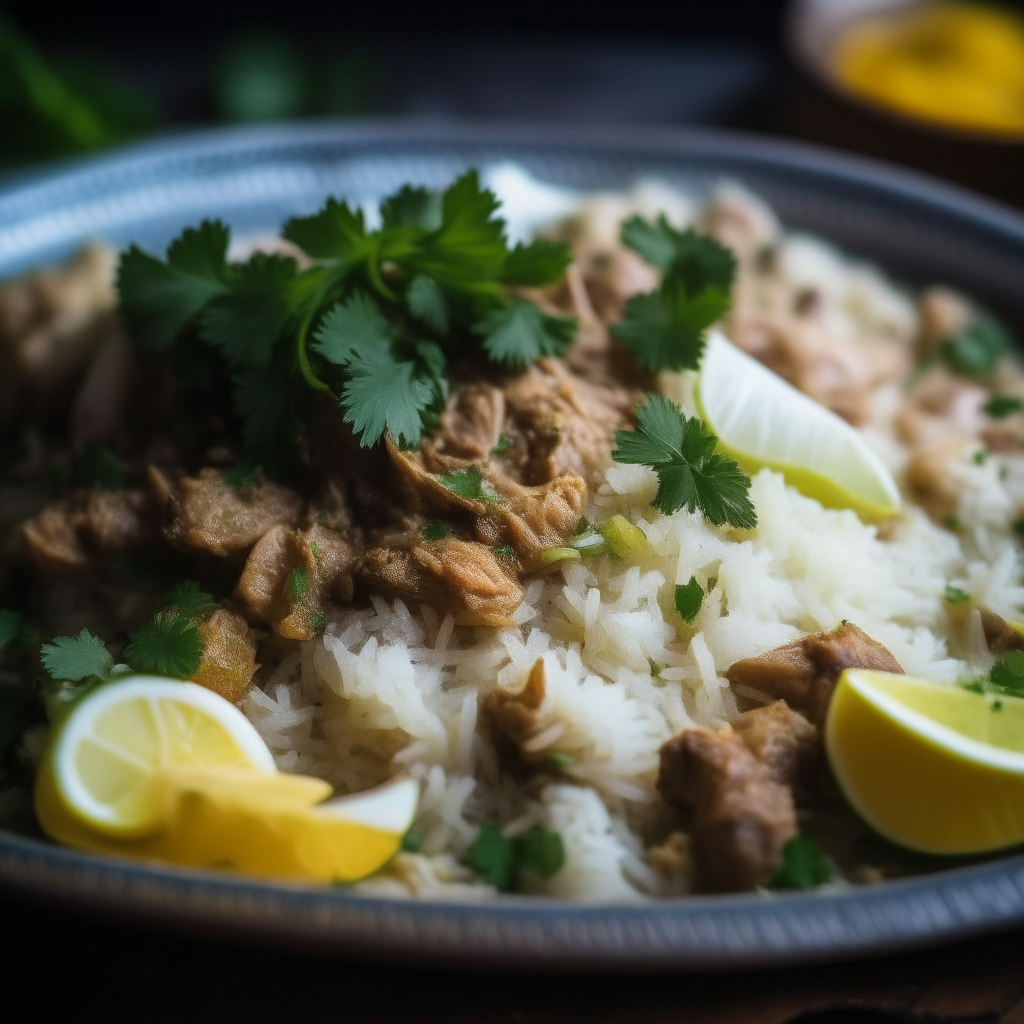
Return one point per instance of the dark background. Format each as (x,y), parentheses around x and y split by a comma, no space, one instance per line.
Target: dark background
(158,67)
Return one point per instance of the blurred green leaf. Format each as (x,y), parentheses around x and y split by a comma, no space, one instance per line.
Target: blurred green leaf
(261,78)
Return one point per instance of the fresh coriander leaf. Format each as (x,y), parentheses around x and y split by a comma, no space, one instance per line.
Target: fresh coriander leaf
(681,451)
(412,841)
(492,857)
(264,405)
(998,407)
(954,595)
(74,658)
(521,333)
(654,667)
(188,599)
(242,477)
(337,232)
(951,523)
(977,348)
(505,552)
(540,851)
(436,530)
(354,327)
(97,466)
(427,303)
(412,207)
(383,394)
(665,329)
(319,623)
(10,627)
(466,483)
(168,645)
(245,322)
(1007,674)
(978,458)
(298,583)
(468,250)
(803,866)
(503,446)
(689,598)
(538,263)
(157,299)
(695,261)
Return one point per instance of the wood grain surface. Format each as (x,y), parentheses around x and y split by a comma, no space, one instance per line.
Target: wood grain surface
(64,967)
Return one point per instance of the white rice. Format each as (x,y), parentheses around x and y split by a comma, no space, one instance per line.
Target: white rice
(392,688)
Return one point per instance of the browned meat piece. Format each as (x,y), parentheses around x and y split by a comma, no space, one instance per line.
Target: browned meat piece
(740,785)
(557,423)
(931,477)
(471,425)
(943,314)
(464,578)
(515,714)
(290,574)
(533,519)
(87,529)
(1002,636)
(805,672)
(205,513)
(424,492)
(741,222)
(51,323)
(940,406)
(229,655)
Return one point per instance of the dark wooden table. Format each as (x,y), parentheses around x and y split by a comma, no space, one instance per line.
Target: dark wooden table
(73,968)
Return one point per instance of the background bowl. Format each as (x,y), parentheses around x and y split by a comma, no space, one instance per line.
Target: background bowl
(814,105)
(918,229)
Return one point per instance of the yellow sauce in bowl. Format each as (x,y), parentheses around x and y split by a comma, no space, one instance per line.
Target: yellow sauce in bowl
(952,63)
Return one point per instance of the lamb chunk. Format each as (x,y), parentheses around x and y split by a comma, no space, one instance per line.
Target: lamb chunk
(229,655)
(805,672)
(424,491)
(464,578)
(932,476)
(206,513)
(944,313)
(1001,636)
(89,528)
(533,519)
(471,424)
(515,714)
(290,573)
(740,785)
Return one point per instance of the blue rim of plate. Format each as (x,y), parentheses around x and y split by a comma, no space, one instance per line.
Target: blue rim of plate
(919,228)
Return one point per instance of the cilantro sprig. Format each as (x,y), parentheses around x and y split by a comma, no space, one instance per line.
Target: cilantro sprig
(691,474)
(373,321)
(499,861)
(665,328)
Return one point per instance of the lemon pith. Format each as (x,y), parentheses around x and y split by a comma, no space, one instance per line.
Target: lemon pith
(763,421)
(931,767)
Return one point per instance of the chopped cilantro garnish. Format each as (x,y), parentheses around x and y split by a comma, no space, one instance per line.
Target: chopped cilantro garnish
(998,407)
(466,483)
(242,477)
(560,761)
(498,860)
(691,474)
(74,658)
(97,466)
(412,841)
(1018,526)
(373,321)
(951,523)
(188,599)
(802,867)
(505,552)
(436,530)
(977,348)
(298,583)
(689,598)
(655,668)
(997,705)
(167,645)
(501,446)
(665,328)
(978,458)
(319,623)
(954,595)
(1007,674)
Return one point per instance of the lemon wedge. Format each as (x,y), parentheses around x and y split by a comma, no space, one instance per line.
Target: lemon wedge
(761,420)
(933,767)
(112,755)
(162,770)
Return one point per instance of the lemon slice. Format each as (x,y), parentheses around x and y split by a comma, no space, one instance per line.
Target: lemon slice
(761,420)
(112,757)
(932,767)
